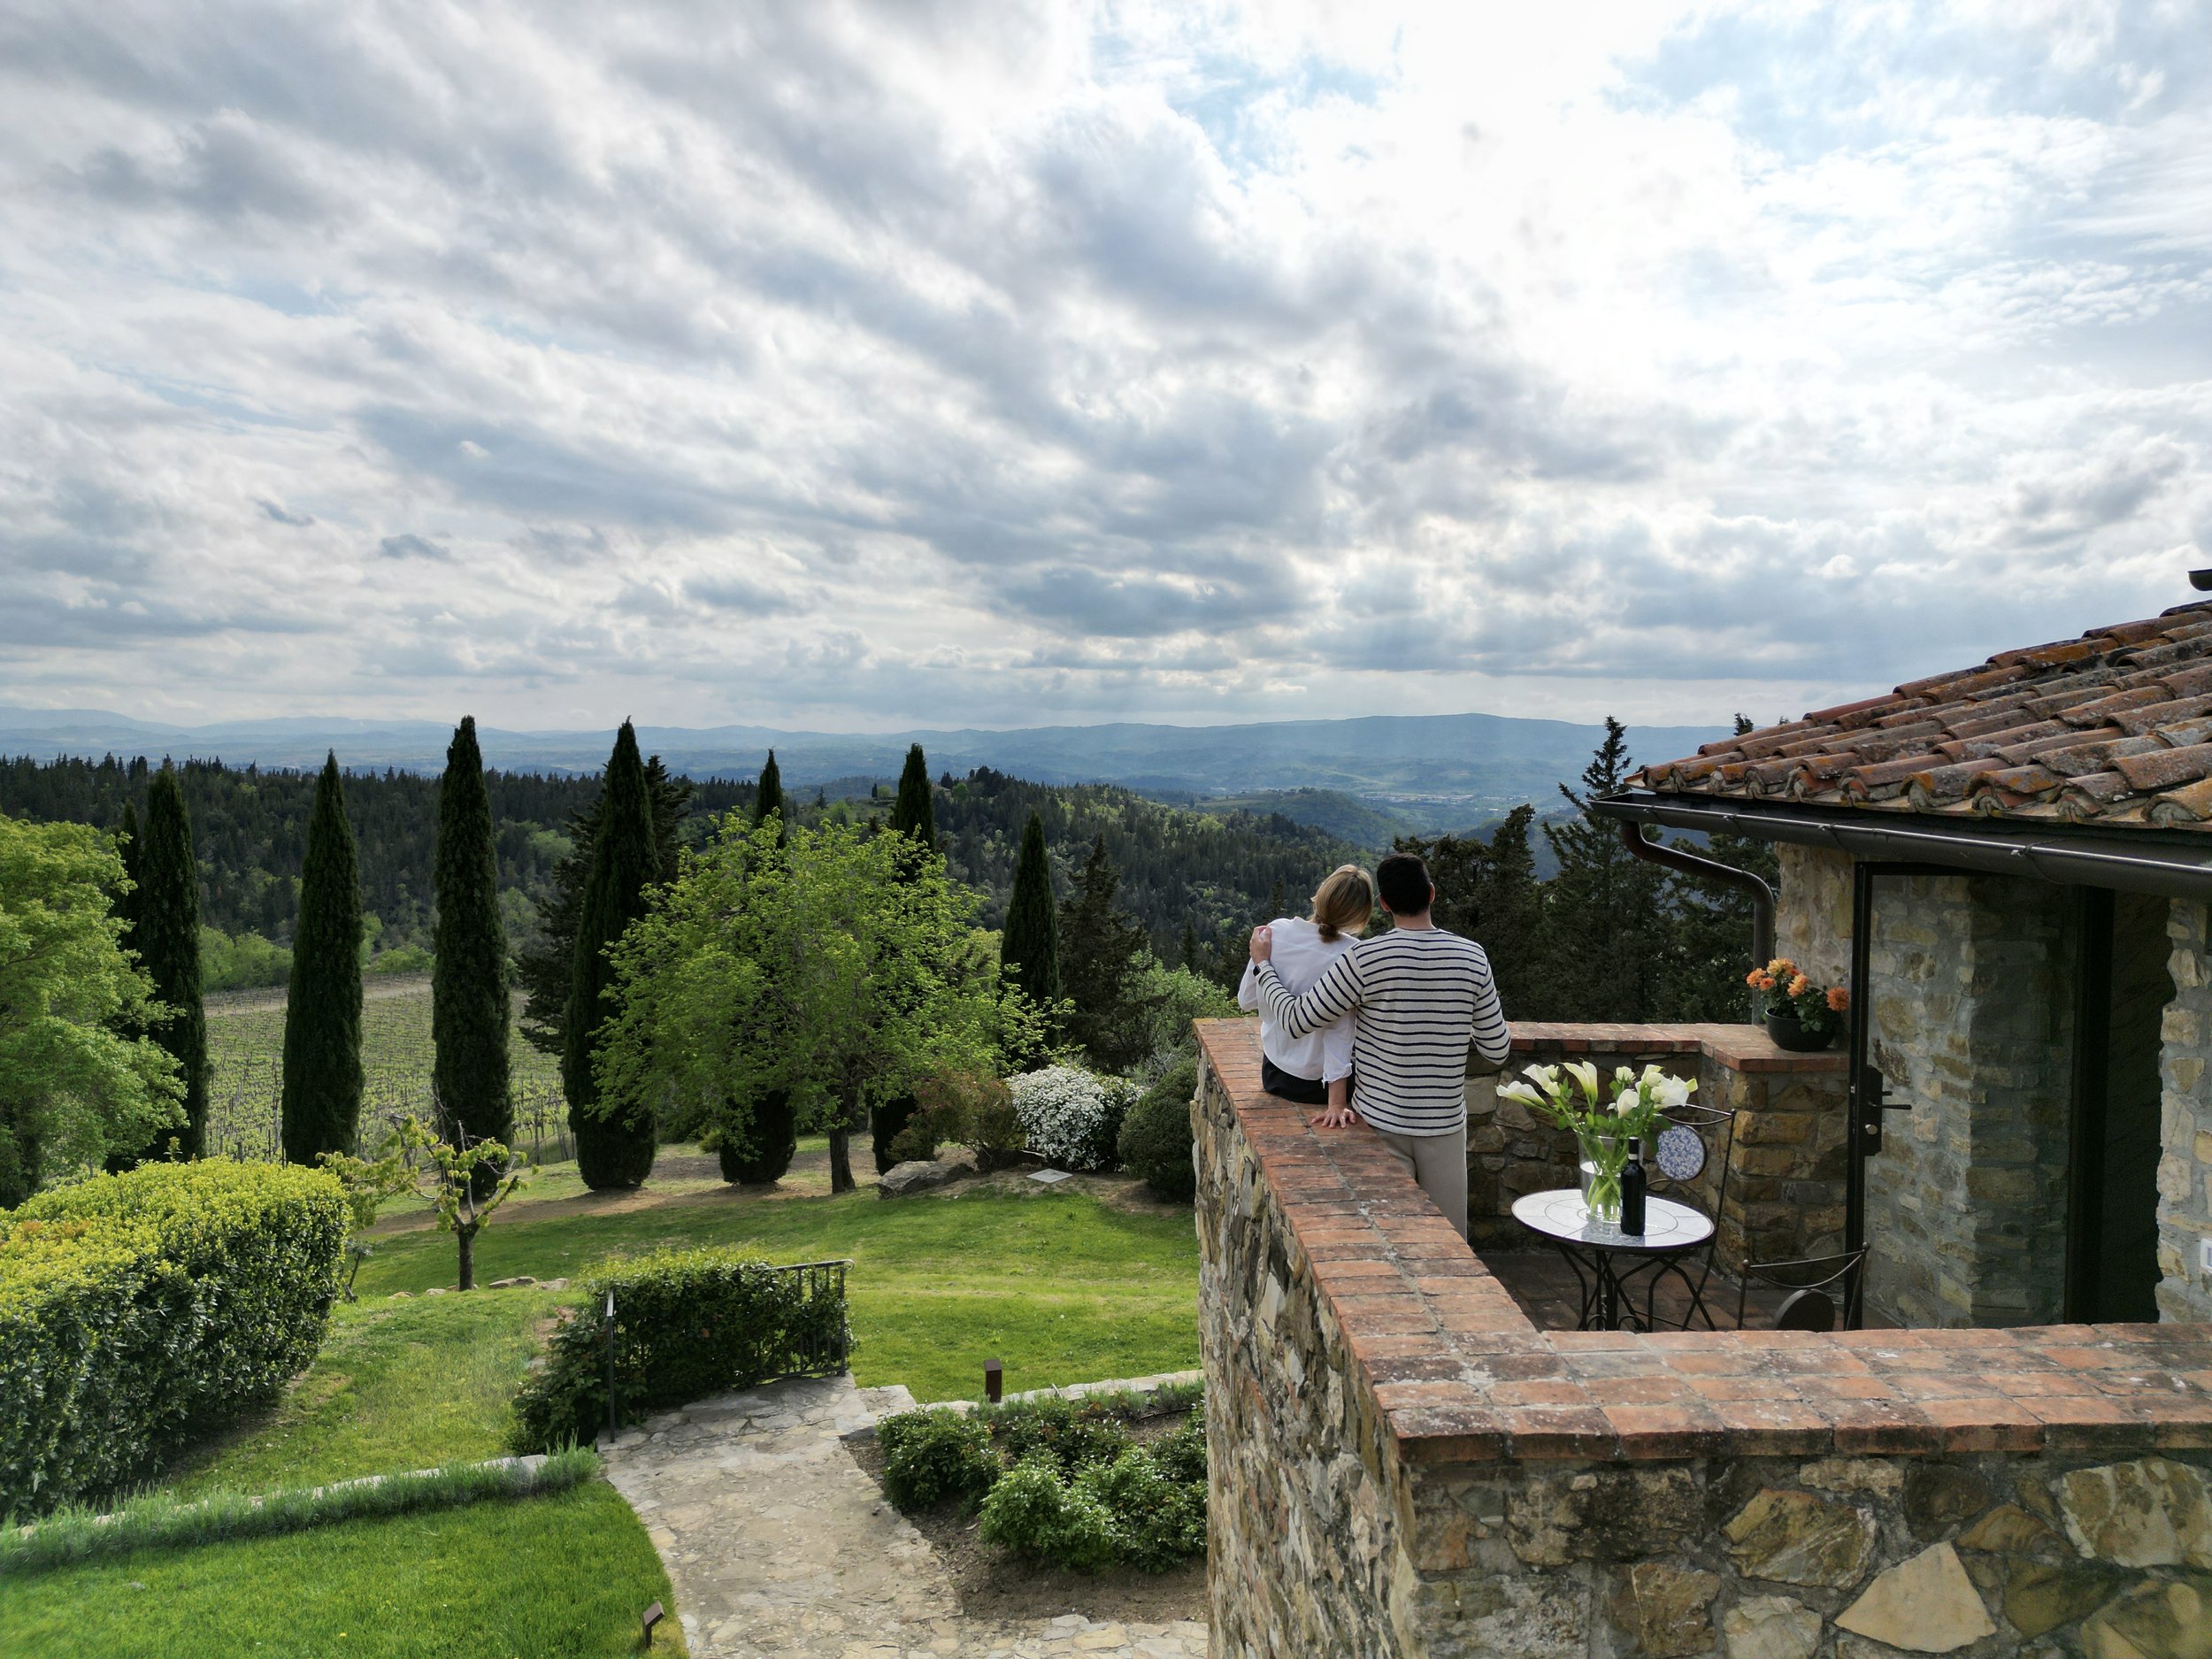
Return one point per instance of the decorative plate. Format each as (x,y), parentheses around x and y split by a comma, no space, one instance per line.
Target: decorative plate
(1681,1153)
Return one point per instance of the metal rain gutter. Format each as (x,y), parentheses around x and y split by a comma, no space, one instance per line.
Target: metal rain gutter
(1710,870)
(2170,873)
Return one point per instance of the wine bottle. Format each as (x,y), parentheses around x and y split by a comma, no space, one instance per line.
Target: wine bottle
(1634,1184)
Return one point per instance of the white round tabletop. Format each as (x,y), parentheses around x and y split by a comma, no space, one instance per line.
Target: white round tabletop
(1562,1215)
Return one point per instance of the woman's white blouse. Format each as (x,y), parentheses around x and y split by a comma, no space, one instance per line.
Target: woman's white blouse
(1302,955)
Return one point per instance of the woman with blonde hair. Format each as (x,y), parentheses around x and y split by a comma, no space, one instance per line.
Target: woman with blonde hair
(1315,1070)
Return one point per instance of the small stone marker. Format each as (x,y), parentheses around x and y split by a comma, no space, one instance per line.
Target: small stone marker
(1050,1178)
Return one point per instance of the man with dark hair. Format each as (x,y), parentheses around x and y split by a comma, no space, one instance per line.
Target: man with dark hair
(1425,1001)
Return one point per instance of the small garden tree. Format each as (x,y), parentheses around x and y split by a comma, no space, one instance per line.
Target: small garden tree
(463,1183)
(824,966)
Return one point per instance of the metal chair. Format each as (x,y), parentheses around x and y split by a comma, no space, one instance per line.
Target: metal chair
(1710,1125)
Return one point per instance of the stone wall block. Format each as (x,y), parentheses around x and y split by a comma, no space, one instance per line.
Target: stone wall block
(1795,1538)
(2149,1513)
(1926,1604)
(1770,1627)
(1666,1612)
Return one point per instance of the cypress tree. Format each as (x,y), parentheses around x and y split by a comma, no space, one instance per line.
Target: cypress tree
(128,905)
(321,1110)
(768,796)
(468,977)
(1029,947)
(775,1126)
(166,935)
(543,972)
(614,1141)
(915,819)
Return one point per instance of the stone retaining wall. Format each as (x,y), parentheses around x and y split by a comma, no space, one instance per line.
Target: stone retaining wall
(1400,1466)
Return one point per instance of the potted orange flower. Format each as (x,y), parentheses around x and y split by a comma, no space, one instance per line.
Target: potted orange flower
(1800,1016)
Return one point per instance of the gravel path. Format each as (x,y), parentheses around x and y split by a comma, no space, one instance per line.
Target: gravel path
(779,1545)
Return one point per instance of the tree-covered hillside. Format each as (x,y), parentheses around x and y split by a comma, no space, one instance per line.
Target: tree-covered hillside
(1214,873)
(250,831)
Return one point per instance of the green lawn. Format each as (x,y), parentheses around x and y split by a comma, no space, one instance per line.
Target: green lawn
(541,1577)
(1056,1285)
(398,1385)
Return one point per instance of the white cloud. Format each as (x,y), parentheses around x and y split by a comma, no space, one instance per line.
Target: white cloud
(877,366)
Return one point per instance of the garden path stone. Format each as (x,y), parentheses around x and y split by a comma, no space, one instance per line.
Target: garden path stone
(777,1545)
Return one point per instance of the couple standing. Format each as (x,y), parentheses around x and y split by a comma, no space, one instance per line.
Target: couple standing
(1377,1031)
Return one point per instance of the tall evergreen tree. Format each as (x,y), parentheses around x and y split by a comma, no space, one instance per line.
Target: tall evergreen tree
(468,977)
(1029,948)
(321,1102)
(768,797)
(132,847)
(614,1139)
(1605,911)
(1103,949)
(547,968)
(166,936)
(915,817)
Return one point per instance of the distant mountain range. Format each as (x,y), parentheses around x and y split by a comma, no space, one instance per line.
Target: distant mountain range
(1429,771)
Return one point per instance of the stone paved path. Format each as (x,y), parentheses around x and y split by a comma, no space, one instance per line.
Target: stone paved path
(777,1545)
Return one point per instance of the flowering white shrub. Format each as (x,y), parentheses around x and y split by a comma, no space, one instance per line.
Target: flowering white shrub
(1071,1116)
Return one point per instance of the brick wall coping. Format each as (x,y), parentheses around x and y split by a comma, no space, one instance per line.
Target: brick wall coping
(1459,1374)
(1742,1048)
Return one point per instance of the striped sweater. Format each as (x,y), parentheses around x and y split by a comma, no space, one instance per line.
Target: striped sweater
(1425,1000)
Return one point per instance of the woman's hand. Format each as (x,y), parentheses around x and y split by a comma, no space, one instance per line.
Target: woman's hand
(1263,943)
(1335,1117)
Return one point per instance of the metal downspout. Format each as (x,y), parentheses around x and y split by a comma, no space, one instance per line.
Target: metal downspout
(1711,870)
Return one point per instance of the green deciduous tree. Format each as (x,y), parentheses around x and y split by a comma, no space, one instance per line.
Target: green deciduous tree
(166,936)
(469,1011)
(1102,962)
(321,1102)
(614,1133)
(76,1083)
(822,967)
(1029,949)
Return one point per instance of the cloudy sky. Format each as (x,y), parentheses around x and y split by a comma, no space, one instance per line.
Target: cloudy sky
(864,367)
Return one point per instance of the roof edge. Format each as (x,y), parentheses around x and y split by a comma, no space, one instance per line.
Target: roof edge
(2128,861)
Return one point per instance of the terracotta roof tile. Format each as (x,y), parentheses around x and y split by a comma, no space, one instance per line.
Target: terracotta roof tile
(2113,728)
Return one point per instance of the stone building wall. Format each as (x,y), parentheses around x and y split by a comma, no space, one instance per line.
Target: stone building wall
(1972,984)
(2185,1171)
(1812,921)
(1402,1468)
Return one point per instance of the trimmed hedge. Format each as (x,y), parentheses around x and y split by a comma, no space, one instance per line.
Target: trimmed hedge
(137,1307)
(687,1324)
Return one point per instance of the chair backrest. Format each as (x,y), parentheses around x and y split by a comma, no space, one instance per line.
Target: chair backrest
(1708,1189)
(1805,1311)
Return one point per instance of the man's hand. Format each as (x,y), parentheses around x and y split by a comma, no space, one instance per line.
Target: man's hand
(1335,1117)
(1263,943)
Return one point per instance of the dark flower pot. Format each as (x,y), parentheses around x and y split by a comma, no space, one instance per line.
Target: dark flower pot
(1791,1032)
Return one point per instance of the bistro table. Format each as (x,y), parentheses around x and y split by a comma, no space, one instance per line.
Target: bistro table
(1605,1259)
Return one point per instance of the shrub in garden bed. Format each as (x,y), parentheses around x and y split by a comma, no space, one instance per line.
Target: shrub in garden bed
(1057,1481)
(1072,1117)
(1155,1137)
(687,1324)
(136,1307)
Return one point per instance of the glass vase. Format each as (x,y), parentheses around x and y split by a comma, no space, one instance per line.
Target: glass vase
(1602,1158)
